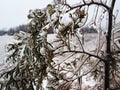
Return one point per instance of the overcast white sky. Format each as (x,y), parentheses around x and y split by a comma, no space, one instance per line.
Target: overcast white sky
(14,12)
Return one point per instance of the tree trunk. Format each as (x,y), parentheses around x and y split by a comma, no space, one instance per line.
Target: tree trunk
(108,47)
(106,80)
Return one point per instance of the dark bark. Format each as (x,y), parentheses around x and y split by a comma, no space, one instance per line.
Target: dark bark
(107,69)
(108,47)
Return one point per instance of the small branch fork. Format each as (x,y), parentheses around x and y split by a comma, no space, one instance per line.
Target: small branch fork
(87,4)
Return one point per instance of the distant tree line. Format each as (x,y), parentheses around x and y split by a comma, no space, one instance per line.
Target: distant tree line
(88,30)
(14,30)
(2,32)
(24,28)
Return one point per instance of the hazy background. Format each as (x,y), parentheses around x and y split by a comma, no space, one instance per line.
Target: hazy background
(14,12)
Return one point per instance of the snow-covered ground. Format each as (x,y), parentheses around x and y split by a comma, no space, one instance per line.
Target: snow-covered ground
(4,40)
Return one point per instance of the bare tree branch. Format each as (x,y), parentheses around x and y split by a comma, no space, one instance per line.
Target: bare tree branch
(92,55)
(88,4)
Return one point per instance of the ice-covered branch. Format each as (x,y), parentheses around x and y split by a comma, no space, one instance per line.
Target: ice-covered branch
(87,4)
(91,55)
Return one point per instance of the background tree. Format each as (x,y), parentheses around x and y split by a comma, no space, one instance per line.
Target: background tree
(63,61)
